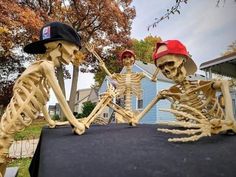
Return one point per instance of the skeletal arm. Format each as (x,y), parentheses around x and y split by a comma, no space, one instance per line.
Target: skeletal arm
(223,85)
(48,69)
(90,48)
(154,76)
(150,105)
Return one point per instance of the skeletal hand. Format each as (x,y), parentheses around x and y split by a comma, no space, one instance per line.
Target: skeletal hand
(89,47)
(197,127)
(102,64)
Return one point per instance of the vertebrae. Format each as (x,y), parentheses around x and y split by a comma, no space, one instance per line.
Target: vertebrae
(129,84)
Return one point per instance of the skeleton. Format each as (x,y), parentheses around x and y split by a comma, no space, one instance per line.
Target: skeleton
(194,103)
(127,84)
(31,93)
(106,100)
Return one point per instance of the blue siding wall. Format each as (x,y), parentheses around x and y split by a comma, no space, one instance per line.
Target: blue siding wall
(103,87)
(163,116)
(233,95)
(149,92)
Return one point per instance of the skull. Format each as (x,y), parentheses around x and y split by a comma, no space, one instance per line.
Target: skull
(64,52)
(128,59)
(172,67)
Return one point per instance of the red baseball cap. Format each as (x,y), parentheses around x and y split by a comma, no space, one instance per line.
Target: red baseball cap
(175,47)
(126,51)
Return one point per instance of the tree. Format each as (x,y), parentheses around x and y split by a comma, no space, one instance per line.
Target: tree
(112,63)
(87,108)
(18,24)
(103,22)
(231,49)
(144,48)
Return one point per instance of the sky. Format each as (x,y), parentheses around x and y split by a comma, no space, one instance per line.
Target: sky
(206,30)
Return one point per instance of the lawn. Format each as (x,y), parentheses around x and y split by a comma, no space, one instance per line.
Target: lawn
(31,132)
(23,165)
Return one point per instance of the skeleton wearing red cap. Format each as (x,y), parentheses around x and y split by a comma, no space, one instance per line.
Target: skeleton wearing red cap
(194,103)
(127,57)
(127,84)
(165,59)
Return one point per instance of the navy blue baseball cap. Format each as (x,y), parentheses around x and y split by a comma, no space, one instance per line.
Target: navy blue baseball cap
(53,31)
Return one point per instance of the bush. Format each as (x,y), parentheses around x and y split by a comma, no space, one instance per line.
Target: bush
(87,108)
(79,115)
(56,117)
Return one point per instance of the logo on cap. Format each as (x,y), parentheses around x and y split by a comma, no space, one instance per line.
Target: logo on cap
(46,32)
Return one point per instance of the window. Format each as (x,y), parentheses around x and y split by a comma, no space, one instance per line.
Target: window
(233,102)
(140,104)
(105,115)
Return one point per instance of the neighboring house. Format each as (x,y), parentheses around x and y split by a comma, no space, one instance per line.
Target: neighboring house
(84,95)
(54,110)
(224,66)
(150,90)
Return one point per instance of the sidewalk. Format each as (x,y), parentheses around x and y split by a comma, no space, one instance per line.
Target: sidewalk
(24,148)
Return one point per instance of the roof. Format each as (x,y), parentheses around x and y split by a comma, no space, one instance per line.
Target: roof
(85,94)
(149,70)
(225,65)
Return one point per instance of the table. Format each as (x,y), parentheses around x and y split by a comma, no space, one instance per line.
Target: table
(117,150)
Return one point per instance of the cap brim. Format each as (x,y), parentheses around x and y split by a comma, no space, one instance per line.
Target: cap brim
(190,66)
(38,47)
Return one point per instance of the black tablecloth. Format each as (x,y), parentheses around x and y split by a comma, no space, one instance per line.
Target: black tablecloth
(123,151)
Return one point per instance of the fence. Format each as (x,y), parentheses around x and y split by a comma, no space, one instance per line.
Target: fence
(23,148)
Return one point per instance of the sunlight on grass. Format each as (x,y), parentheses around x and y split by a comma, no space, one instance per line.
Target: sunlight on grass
(23,165)
(33,131)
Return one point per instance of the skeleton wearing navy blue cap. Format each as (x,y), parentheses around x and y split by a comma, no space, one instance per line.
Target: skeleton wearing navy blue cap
(59,44)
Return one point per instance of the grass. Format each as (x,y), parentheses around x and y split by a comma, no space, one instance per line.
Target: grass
(33,131)
(23,165)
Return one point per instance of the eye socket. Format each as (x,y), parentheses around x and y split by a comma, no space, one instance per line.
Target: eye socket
(161,67)
(75,52)
(170,63)
(126,56)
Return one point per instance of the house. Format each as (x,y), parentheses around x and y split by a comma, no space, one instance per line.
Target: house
(84,95)
(224,66)
(150,90)
(54,110)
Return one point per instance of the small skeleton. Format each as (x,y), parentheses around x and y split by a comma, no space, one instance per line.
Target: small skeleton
(31,93)
(128,83)
(194,103)
(106,100)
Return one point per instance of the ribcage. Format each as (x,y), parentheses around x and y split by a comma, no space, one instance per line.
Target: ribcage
(200,97)
(28,98)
